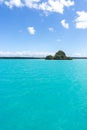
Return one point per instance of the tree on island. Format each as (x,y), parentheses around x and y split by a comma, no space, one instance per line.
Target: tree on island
(60,55)
(49,57)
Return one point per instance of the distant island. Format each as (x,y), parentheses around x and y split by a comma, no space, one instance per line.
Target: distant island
(60,55)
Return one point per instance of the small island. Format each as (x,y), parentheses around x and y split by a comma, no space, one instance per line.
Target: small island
(60,55)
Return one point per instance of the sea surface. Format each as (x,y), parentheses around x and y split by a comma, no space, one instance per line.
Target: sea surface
(43,95)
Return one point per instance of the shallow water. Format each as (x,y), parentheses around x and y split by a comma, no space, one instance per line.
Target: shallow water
(43,95)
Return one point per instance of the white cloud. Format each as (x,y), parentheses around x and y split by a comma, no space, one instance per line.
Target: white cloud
(67,3)
(13,3)
(81,20)
(31,3)
(64,24)
(47,6)
(31,30)
(55,6)
(52,6)
(51,29)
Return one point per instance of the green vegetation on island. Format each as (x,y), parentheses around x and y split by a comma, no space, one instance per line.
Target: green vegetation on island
(60,55)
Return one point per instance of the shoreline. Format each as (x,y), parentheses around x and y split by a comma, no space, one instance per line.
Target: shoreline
(22,57)
(37,57)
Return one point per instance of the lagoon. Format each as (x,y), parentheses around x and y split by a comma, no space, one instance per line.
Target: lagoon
(43,94)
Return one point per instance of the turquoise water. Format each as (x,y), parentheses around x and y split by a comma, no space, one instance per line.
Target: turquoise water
(43,95)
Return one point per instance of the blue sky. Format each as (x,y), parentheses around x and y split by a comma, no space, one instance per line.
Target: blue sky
(41,27)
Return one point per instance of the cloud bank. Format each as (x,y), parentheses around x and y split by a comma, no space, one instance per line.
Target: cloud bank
(24,54)
(47,6)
